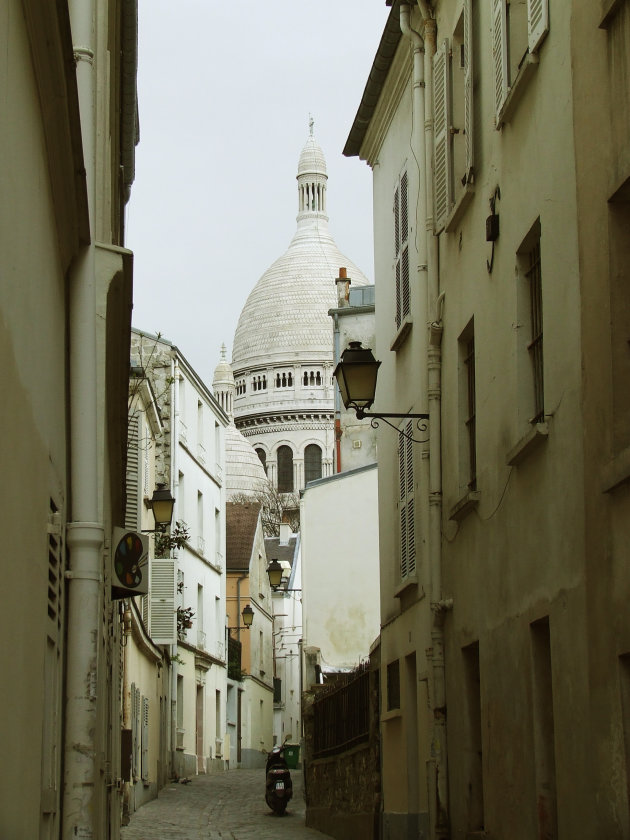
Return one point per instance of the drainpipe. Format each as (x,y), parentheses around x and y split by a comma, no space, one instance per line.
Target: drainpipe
(85,532)
(126,709)
(435,302)
(336,341)
(173,482)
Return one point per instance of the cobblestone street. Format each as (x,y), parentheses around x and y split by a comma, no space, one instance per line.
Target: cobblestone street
(226,806)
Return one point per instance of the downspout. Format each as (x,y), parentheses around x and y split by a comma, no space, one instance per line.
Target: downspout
(336,341)
(126,709)
(173,482)
(435,303)
(85,531)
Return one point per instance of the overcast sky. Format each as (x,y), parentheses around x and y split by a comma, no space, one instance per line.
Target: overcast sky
(225,93)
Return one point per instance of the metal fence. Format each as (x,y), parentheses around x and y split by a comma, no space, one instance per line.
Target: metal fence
(341,713)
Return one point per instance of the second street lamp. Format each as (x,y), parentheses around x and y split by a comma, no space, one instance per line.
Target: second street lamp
(356,377)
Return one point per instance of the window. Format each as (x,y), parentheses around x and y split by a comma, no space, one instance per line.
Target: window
(530,316)
(312,463)
(285,469)
(518,29)
(401,250)
(453,117)
(544,730)
(262,455)
(393,685)
(468,408)
(474,741)
(406,502)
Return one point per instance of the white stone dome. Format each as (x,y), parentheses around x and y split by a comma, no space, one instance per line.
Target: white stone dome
(244,472)
(285,318)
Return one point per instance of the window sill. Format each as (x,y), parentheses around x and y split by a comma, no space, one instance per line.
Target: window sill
(455,216)
(617,471)
(538,434)
(465,505)
(515,93)
(392,714)
(403,332)
(406,584)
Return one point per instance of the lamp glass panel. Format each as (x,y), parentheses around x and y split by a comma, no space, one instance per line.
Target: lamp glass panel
(162,511)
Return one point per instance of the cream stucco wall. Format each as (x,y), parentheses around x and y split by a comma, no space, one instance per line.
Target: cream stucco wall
(339,557)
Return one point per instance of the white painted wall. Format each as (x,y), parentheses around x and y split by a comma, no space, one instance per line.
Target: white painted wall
(340,568)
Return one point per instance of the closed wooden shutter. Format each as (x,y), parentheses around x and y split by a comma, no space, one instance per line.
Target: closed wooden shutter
(537,23)
(499,54)
(441,135)
(401,235)
(163,627)
(468,90)
(406,502)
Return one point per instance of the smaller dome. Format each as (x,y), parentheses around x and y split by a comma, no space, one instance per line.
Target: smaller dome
(312,160)
(223,371)
(244,472)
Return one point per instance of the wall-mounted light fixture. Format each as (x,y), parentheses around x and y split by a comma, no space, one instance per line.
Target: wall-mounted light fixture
(356,377)
(248,618)
(162,505)
(275,570)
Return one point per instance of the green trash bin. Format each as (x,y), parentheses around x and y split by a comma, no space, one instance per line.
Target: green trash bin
(292,755)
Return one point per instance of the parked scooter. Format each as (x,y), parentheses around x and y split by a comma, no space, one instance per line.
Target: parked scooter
(278,784)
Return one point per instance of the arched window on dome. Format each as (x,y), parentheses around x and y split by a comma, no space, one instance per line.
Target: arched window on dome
(290,378)
(285,469)
(318,378)
(305,378)
(284,380)
(312,463)
(264,383)
(278,383)
(263,458)
(312,378)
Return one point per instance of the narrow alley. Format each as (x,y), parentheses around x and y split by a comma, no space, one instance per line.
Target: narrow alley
(222,806)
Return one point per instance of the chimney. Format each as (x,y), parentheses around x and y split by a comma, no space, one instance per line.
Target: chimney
(285,533)
(343,288)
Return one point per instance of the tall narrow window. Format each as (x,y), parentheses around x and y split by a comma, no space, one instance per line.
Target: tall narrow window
(393,685)
(473,743)
(285,469)
(468,408)
(401,250)
(263,458)
(312,462)
(530,317)
(406,502)
(544,730)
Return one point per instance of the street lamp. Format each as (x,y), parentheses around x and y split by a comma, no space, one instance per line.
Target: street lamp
(274,571)
(356,377)
(248,618)
(162,504)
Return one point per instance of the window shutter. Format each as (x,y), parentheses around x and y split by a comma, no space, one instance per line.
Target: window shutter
(537,23)
(499,54)
(468,89)
(144,772)
(406,503)
(133,473)
(441,119)
(411,517)
(163,628)
(396,222)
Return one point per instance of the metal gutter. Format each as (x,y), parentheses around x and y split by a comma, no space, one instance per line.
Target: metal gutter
(376,80)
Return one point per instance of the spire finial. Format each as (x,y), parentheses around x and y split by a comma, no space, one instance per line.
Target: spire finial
(311,123)
(223,352)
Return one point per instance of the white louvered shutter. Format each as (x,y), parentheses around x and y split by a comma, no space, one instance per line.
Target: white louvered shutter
(144,771)
(499,54)
(441,135)
(133,473)
(405,292)
(537,23)
(163,628)
(468,89)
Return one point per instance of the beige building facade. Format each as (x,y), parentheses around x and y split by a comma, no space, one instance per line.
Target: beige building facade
(69,109)
(497,132)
